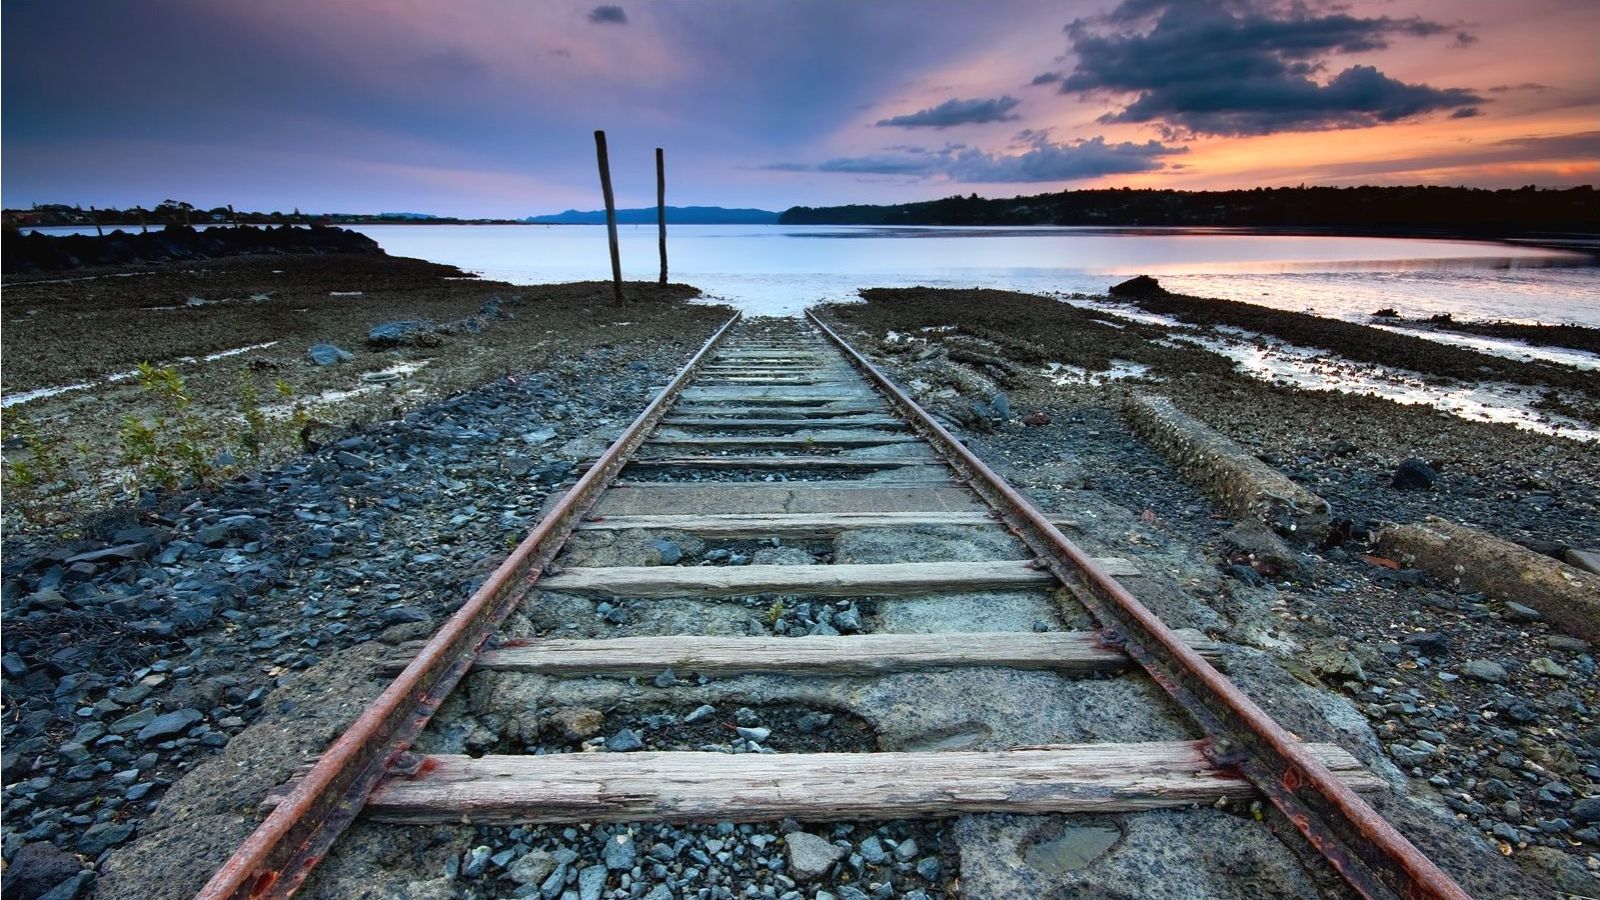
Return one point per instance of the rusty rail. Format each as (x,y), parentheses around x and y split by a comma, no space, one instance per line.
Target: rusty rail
(276,858)
(1374,858)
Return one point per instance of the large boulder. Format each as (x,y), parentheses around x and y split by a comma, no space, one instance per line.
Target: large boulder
(1137,287)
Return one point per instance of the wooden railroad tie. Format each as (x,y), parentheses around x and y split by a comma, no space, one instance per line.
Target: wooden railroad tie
(816,787)
(864,580)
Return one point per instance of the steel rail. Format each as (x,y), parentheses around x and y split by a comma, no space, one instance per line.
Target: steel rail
(276,858)
(1363,847)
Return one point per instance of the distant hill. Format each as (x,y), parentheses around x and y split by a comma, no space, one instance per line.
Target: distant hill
(1448,209)
(676,215)
(406,215)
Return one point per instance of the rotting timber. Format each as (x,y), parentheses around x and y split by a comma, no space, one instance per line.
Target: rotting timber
(802,400)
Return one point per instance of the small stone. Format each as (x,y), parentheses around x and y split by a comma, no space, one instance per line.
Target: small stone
(37,867)
(928,868)
(591,882)
(810,857)
(625,741)
(872,851)
(754,734)
(1484,670)
(532,867)
(472,865)
(620,852)
(746,716)
(1414,475)
(1429,643)
(1036,419)
(1544,665)
(1516,612)
(666,679)
(172,724)
(328,354)
(666,552)
(100,838)
(578,723)
(907,850)
(1586,810)
(699,712)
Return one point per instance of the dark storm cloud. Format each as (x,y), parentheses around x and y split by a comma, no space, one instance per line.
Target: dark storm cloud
(608,15)
(957,112)
(1045,78)
(1243,67)
(1044,160)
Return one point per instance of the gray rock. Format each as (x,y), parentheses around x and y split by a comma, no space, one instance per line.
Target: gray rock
(755,734)
(532,867)
(1414,475)
(907,850)
(476,859)
(1544,665)
(37,867)
(69,889)
(1411,756)
(872,851)
(624,741)
(667,552)
(810,857)
(700,712)
(591,882)
(102,837)
(170,725)
(328,355)
(1587,810)
(1484,670)
(1517,612)
(398,332)
(620,852)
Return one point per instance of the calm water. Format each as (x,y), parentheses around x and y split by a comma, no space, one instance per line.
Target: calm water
(776,269)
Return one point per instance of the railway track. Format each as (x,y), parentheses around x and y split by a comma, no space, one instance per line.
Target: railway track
(840,494)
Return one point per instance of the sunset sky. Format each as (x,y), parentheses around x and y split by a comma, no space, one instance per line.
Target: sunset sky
(487,107)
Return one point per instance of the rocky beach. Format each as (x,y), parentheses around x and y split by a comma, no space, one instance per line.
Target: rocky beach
(173,653)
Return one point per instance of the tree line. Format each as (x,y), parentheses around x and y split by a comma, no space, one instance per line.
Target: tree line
(1452,209)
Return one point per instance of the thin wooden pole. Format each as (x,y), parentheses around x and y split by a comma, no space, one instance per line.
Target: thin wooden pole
(95,215)
(661,208)
(611,213)
(233,215)
(144,227)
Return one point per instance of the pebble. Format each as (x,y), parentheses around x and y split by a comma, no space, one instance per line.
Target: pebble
(811,857)
(1484,670)
(624,741)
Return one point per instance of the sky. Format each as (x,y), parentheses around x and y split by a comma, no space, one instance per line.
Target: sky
(487,108)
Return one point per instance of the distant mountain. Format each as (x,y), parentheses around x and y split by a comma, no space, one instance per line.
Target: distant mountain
(676,215)
(404,215)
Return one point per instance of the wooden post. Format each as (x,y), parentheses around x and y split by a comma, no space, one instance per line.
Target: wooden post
(94,214)
(144,227)
(661,208)
(233,215)
(611,213)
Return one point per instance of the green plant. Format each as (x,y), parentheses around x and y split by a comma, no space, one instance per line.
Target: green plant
(253,437)
(300,421)
(39,473)
(173,443)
